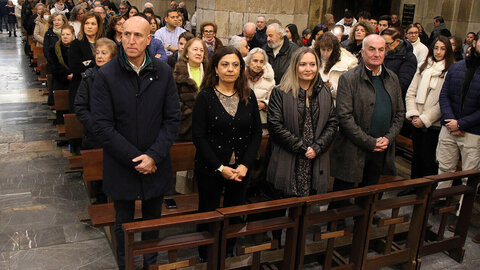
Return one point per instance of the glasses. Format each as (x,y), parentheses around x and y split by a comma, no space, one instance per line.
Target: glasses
(389,43)
(123,8)
(412,33)
(208,31)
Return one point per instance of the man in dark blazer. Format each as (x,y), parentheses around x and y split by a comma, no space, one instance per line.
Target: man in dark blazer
(370,112)
(136,114)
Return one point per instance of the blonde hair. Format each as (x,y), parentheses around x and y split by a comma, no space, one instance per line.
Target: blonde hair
(109,44)
(289,80)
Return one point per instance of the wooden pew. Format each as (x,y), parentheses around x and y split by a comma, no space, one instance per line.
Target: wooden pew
(173,243)
(435,241)
(335,237)
(61,104)
(290,222)
(392,253)
(73,130)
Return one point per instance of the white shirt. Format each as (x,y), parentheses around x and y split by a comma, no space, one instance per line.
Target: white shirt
(420,51)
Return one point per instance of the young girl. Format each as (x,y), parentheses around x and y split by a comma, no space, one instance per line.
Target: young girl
(12,19)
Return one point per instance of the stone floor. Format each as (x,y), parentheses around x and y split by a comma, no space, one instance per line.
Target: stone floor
(40,203)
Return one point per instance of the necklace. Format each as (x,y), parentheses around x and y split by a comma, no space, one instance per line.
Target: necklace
(223,93)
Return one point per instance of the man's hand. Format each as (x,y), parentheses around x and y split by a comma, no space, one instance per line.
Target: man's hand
(229,173)
(382,144)
(241,172)
(310,154)
(458,133)
(146,166)
(452,125)
(417,122)
(158,55)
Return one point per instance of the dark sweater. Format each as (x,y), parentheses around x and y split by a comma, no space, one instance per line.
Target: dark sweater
(381,117)
(216,133)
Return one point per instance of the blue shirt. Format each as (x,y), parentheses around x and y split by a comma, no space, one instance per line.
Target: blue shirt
(169,37)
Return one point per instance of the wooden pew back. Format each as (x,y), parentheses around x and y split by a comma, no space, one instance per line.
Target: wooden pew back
(61,100)
(73,127)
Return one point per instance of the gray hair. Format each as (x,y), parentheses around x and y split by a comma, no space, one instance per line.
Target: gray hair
(148,5)
(253,51)
(236,42)
(40,5)
(74,12)
(263,16)
(249,24)
(367,39)
(278,28)
(289,80)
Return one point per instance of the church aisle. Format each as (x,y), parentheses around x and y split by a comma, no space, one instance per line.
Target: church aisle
(39,203)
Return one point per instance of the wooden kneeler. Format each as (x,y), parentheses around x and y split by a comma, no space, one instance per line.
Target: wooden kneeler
(172,243)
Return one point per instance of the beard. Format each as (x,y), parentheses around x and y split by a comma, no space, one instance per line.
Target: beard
(275,45)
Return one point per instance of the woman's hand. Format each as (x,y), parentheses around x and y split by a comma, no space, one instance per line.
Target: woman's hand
(310,154)
(242,172)
(417,122)
(261,106)
(70,76)
(229,173)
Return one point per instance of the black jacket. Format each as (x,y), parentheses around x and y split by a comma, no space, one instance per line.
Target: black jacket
(260,38)
(134,115)
(59,71)
(49,41)
(83,111)
(79,55)
(216,133)
(402,62)
(281,62)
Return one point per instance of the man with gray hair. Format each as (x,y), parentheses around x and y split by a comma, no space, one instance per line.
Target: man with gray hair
(248,32)
(261,34)
(239,43)
(370,112)
(279,50)
(148,5)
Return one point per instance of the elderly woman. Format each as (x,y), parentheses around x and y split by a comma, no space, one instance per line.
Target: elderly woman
(76,17)
(332,62)
(302,125)
(226,132)
(188,74)
(357,34)
(41,24)
(208,31)
(58,59)
(261,79)
(239,43)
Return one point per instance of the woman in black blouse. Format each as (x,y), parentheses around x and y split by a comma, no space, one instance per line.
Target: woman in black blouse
(226,131)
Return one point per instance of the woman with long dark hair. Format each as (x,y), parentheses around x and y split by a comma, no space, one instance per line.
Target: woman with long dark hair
(317,31)
(226,132)
(423,108)
(292,34)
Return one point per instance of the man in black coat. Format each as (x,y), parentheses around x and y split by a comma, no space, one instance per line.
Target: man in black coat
(260,38)
(136,114)
(439,29)
(279,50)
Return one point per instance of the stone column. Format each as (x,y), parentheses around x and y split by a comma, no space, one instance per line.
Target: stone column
(230,16)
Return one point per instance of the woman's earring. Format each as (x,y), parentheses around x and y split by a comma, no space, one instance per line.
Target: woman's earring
(216,74)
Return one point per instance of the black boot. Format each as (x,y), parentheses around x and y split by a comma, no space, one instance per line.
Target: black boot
(9,33)
(15,33)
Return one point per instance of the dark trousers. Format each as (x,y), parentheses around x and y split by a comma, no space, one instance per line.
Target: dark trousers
(424,148)
(374,162)
(124,212)
(210,187)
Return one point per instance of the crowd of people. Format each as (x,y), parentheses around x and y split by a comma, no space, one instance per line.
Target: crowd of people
(332,100)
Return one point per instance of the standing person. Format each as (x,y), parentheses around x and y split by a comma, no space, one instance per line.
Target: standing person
(333,62)
(188,75)
(291,31)
(41,25)
(439,29)
(239,43)
(76,18)
(423,109)
(81,54)
(468,42)
(182,40)
(457,48)
(170,32)
(422,35)
(374,23)
(279,50)
(419,49)
(370,111)
(302,126)
(60,7)
(248,32)
(384,22)
(317,32)
(208,31)
(136,136)
(261,31)
(115,29)
(227,134)
(359,31)
(395,21)
(329,21)
(18,15)
(347,22)
(399,57)
(132,11)
(12,20)
(3,15)
(156,47)
(261,79)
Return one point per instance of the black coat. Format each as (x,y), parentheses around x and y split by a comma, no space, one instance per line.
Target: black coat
(83,111)
(216,133)
(59,71)
(80,52)
(281,62)
(135,115)
(260,38)
(49,41)
(402,62)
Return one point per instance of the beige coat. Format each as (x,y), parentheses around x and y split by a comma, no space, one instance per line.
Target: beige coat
(263,87)
(347,62)
(39,31)
(429,112)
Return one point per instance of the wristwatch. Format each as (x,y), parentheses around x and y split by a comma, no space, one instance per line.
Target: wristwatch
(219,169)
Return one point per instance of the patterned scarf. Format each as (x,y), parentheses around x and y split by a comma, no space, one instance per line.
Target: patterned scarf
(252,76)
(210,45)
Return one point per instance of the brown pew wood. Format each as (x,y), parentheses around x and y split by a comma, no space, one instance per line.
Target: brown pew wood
(73,127)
